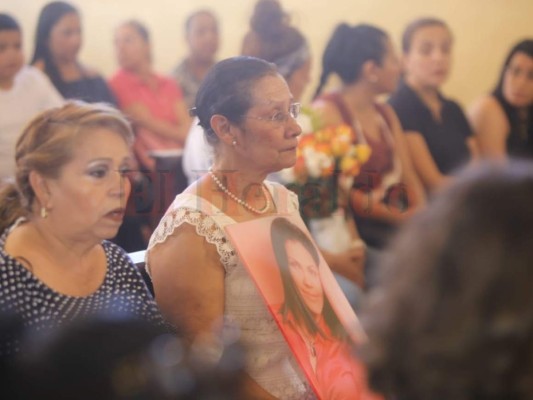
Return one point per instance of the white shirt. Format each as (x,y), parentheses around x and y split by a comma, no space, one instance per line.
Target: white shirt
(197,153)
(31,93)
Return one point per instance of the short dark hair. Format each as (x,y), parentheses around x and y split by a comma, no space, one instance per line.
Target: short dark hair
(452,316)
(8,23)
(415,26)
(348,49)
(281,231)
(226,90)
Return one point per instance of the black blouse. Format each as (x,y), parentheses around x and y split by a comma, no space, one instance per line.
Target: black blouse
(90,89)
(446,139)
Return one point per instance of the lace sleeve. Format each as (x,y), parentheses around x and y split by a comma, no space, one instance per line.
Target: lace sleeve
(205,226)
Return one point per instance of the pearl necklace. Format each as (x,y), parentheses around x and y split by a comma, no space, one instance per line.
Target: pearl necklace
(240,201)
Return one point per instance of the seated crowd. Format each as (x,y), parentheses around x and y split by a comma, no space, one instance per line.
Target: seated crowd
(426,228)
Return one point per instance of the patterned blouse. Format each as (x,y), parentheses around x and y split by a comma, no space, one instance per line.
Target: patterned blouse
(40,308)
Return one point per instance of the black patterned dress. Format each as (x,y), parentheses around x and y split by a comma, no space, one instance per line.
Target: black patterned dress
(37,307)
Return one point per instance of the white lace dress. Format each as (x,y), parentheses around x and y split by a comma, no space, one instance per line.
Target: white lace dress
(269,360)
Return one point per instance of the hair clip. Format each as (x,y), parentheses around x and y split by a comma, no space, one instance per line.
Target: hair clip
(193,112)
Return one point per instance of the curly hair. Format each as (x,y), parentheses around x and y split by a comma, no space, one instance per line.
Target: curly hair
(452,317)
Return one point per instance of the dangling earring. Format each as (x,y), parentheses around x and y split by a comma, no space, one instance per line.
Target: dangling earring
(44,212)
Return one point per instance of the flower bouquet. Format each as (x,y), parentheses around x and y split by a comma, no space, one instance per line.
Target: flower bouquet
(328,160)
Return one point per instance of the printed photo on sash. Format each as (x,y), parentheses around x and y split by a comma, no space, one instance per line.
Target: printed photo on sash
(306,302)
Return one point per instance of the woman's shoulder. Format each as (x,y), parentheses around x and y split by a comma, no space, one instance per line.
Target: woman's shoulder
(116,255)
(487,104)
(330,109)
(487,111)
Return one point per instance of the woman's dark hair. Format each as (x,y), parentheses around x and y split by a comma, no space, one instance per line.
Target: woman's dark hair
(226,90)
(348,49)
(48,18)
(271,36)
(281,231)
(47,143)
(415,26)
(513,113)
(8,23)
(452,316)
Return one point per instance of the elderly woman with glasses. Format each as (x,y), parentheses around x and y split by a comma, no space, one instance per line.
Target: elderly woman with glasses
(248,115)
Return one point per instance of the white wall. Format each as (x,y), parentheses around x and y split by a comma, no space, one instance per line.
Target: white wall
(483,29)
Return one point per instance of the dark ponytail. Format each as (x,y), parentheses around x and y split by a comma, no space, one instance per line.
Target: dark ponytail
(348,49)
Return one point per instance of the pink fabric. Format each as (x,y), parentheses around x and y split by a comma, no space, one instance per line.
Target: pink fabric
(339,375)
(160,100)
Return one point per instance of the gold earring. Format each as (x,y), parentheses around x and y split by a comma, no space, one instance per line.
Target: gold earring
(44,212)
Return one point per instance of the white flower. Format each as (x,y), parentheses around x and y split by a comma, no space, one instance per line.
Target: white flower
(316,162)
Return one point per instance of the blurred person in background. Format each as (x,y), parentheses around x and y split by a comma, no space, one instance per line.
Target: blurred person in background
(123,358)
(58,39)
(437,132)
(503,120)
(451,316)
(387,191)
(202,37)
(24,92)
(153,102)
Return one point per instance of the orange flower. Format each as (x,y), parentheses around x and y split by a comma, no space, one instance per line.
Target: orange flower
(350,166)
(340,145)
(323,147)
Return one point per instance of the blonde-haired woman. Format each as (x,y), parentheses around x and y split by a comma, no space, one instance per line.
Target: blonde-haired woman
(69,197)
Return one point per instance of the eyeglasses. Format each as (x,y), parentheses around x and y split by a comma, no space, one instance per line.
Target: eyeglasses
(280,117)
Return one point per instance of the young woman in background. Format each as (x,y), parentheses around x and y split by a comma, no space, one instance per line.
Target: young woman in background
(437,132)
(503,120)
